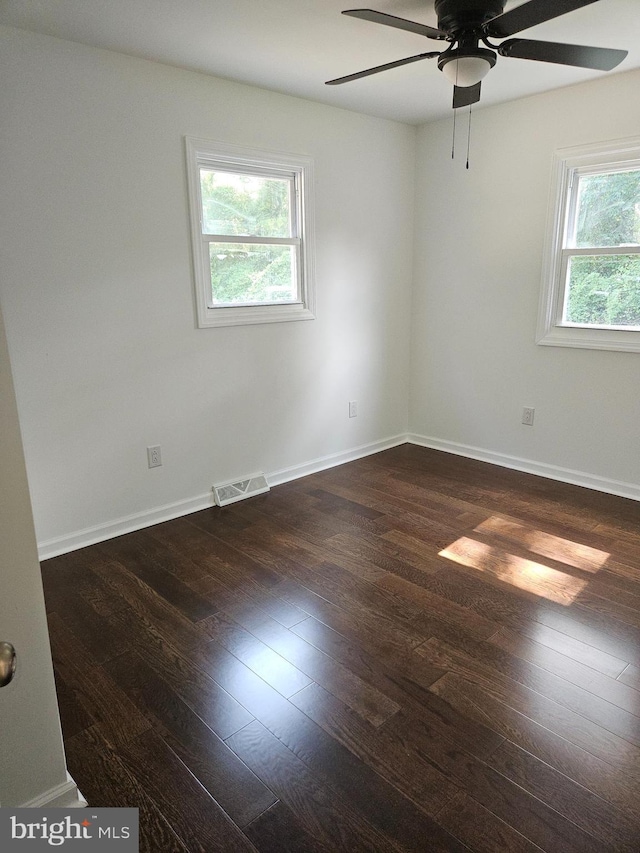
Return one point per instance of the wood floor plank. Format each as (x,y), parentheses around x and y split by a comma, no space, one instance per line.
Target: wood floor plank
(435,529)
(480,829)
(504,603)
(557,677)
(407,682)
(607,605)
(532,818)
(102,640)
(347,515)
(278,831)
(249,595)
(234,556)
(324,816)
(484,595)
(374,597)
(575,649)
(345,830)
(577,804)
(594,628)
(603,577)
(147,548)
(193,814)
(365,699)
(526,574)
(426,553)
(106,782)
(97,693)
(301,515)
(329,501)
(413,651)
(560,718)
(368,793)
(70,575)
(220,711)
(294,542)
(445,609)
(281,539)
(148,606)
(565,551)
(224,581)
(194,537)
(285,548)
(608,689)
(420,492)
(438,508)
(598,776)
(420,782)
(147,562)
(238,791)
(386,555)
(256,655)
(326,606)
(74,717)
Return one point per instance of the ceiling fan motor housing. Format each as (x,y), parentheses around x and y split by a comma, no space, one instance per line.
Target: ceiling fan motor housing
(457,16)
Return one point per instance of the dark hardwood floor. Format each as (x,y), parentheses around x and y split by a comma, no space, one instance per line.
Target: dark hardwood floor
(412,652)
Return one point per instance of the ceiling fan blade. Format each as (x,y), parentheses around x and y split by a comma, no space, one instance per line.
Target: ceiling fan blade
(398,23)
(379,68)
(464,96)
(529,14)
(600,58)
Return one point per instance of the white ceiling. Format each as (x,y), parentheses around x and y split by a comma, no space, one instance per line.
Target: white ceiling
(293,46)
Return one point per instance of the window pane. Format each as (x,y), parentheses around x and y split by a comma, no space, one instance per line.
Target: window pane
(246,274)
(250,205)
(608,212)
(604,290)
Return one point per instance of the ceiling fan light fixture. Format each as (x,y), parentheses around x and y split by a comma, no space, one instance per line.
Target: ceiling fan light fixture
(466,69)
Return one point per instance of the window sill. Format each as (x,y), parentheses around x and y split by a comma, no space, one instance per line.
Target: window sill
(603,339)
(252,314)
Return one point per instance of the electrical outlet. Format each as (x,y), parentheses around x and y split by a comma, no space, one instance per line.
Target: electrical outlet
(353,408)
(527,416)
(154,456)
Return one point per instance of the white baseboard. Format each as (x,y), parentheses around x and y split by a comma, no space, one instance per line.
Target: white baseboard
(276,478)
(529,466)
(110,529)
(101,532)
(64,796)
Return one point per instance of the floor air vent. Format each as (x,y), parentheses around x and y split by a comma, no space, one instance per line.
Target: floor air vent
(228,493)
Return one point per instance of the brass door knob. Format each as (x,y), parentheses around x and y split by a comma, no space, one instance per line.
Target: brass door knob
(7,663)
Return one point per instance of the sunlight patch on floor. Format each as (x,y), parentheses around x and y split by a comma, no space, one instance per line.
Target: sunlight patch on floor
(528,575)
(574,554)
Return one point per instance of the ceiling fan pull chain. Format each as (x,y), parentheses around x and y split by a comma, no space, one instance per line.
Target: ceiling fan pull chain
(453,141)
(469,137)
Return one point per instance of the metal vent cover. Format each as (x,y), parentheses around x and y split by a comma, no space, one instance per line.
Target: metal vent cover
(238,490)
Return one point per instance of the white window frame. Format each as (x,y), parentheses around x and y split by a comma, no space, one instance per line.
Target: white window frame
(208,154)
(569,164)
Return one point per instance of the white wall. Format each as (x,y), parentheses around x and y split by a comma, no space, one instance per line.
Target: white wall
(98,300)
(479,243)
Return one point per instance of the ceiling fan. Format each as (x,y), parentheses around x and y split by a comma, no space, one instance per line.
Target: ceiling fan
(465,24)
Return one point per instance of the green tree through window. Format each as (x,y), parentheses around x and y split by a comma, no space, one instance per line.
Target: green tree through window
(254,206)
(604,289)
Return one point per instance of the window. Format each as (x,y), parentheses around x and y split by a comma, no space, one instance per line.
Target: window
(591,273)
(251,234)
